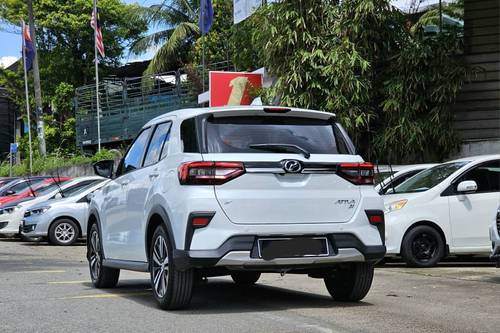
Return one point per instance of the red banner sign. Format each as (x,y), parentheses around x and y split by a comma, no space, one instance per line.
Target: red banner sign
(233,88)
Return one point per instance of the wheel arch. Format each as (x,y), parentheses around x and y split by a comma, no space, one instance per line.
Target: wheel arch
(432,225)
(67,217)
(157,216)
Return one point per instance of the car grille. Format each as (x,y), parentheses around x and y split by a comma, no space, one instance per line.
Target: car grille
(3,224)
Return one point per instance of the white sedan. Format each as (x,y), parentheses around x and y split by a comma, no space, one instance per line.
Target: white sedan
(443,210)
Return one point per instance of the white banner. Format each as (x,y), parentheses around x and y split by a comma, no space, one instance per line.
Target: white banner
(245,8)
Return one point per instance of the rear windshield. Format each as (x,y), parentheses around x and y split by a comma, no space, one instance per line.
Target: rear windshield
(237,134)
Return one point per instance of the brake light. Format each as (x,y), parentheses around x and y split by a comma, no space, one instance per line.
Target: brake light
(209,173)
(357,173)
(276,110)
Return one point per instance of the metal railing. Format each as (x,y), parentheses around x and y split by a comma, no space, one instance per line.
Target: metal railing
(127,104)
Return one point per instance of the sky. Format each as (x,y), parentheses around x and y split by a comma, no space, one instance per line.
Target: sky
(10,42)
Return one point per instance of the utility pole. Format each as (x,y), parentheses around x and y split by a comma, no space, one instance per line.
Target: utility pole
(36,82)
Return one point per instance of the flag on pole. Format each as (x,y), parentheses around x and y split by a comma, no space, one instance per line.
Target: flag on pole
(96,25)
(29,52)
(206,16)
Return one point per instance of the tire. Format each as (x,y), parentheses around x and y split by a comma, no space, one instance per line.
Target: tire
(63,232)
(350,282)
(102,277)
(172,288)
(245,278)
(422,246)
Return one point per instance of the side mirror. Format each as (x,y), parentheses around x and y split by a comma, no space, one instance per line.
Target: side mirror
(58,195)
(9,192)
(467,186)
(104,168)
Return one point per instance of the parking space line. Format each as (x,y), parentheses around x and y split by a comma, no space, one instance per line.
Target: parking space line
(110,295)
(68,282)
(42,271)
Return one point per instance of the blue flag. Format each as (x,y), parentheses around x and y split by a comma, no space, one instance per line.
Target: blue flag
(206,16)
(29,52)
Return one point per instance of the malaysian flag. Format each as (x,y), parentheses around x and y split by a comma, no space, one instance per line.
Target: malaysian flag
(29,52)
(96,25)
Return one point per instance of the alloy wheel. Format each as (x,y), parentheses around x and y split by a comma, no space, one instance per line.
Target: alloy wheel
(95,257)
(65,232)
(160,266)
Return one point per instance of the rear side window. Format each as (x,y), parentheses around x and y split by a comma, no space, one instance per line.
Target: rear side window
(237,134)
(157,144)
(188,136)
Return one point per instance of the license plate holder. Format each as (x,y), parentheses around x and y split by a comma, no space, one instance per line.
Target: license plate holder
(293,247)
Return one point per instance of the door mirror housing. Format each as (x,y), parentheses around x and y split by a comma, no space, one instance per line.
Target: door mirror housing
(104,168)
(467,186)
(9,192)
(58,195)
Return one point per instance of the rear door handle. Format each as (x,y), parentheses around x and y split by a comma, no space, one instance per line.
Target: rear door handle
(125,182)
(154,174)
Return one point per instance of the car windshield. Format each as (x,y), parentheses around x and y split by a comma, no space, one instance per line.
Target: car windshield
(266,134)
(43,190)
(72,191)
(429,178)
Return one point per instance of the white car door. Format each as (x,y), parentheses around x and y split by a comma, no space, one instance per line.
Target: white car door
(470,214)
(139,192)
(118,235)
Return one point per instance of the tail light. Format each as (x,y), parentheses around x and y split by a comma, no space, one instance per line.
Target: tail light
(357,173)
(209,173)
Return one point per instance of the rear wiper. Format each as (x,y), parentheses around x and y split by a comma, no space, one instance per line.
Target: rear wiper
(281,147)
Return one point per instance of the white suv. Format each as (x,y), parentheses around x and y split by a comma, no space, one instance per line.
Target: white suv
(237,191)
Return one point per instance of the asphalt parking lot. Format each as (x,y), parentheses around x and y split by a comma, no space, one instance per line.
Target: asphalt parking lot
(46,289)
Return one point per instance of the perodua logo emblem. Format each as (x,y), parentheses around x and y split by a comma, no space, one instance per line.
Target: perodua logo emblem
(292,166)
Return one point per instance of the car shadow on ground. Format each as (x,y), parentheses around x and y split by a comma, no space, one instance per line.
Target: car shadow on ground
(224,296)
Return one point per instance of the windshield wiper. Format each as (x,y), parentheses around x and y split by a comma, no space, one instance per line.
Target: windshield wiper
(281,147)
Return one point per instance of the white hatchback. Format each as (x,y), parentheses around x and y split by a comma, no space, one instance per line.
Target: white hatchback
(237,191)
(443,210)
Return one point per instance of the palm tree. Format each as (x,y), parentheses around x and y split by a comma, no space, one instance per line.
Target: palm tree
(177,24)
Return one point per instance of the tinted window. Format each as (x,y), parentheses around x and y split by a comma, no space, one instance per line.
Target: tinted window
(188,136)
(236,134)
(134,155)
(486,176)
(429,178)
(157,144)
(80,187)
(18,188)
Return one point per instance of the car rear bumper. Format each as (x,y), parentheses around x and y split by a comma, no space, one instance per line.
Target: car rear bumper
(240,252)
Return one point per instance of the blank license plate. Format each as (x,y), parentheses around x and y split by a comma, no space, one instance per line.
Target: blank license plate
(271,248)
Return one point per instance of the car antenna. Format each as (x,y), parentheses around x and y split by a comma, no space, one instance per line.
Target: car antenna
(27,179)
(57,182)
(391,177)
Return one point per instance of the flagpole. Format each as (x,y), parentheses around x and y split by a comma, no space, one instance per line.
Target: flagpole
(27,99)
(202,42)
(97,81)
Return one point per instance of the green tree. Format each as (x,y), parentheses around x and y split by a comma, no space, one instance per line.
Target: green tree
(390,88)
(65,39)
(177,29)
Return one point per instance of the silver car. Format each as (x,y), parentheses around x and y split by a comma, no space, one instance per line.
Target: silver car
(495,239)
(62,220)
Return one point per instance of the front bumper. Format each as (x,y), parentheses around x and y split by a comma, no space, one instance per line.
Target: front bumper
(240,252)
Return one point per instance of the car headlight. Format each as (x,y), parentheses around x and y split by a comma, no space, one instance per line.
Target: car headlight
(36,211)
(9,210)
(395,205)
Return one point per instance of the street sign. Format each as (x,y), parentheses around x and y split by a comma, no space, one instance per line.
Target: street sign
(13,148)
(233,88)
